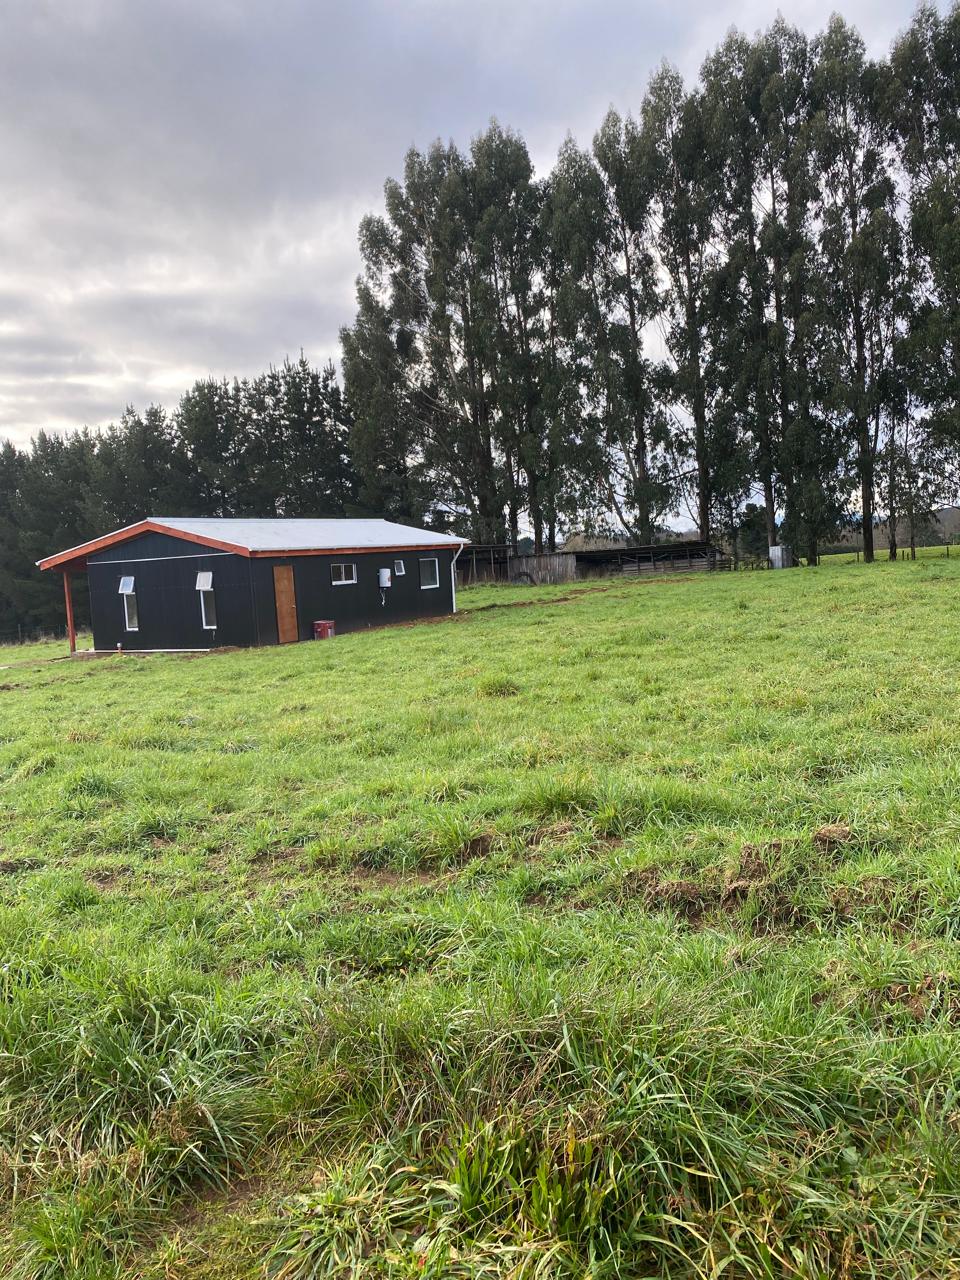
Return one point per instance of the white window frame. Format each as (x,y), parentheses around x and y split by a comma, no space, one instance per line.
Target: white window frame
(343,564)
(207,625)
(128,593)
(204,589)
(399,569)
(430,586)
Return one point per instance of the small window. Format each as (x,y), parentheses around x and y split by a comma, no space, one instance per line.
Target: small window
(429,575)
(398,569)
(208,602)
(342,575)
(131,620)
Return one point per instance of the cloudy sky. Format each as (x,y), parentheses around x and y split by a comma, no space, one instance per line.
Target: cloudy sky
(182,179)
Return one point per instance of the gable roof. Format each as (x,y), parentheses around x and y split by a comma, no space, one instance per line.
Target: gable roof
(268,537)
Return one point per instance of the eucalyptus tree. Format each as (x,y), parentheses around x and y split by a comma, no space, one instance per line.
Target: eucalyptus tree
(859,237)
(806,437)
(601,229)
(513,319)
(420,301)
(743,349)
(452,331)
(673,148)
(387,427)
(922,106)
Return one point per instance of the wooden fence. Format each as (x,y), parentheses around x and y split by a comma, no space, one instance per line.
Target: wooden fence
(569,566)
(554,566)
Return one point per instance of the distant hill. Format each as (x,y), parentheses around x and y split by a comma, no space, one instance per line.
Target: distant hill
(943,525)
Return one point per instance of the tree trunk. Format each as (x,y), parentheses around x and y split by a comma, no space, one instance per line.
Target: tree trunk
(699,404)
(892,487)
(734,536)
(644,521)
(769,509)
(536,511)
(783,392)
(866,489)
(762,407)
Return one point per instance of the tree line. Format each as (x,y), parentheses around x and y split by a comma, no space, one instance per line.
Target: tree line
(748,290)
(274,445)
(741,303)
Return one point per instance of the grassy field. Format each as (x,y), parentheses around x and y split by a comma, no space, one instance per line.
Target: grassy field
(602,931)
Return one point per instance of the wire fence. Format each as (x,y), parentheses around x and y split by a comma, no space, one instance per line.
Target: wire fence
(32,635)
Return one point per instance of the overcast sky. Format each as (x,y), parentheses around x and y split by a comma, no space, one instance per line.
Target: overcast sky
(182,179)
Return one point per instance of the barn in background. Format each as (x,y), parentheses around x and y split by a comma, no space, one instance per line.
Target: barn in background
(171,583)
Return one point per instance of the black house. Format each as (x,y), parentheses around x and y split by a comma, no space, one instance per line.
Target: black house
(187,584)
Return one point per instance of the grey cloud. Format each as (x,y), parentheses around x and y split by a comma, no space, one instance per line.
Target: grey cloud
(182,181)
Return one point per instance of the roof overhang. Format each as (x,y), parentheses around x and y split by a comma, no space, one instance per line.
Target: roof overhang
(76,557)
(361,551)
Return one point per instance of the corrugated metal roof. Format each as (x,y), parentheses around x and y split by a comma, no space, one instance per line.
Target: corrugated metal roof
(308,535)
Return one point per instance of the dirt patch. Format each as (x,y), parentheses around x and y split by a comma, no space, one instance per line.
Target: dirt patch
(14,866)
(270,857)
(476,847)
(831,836)
(107,877)
(639,884)
(365,878)
(776,911)
(687,898)
(694,900)
(607,842)
(543,835)
(756,859)
(878,894)
(234,1199)
(269,865)
(932,995)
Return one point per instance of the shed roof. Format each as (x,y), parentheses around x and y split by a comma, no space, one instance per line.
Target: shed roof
(253,537)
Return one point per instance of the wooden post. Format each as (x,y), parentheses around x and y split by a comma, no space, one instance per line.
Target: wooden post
(68,599)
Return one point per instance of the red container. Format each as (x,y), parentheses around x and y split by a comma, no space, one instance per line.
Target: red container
(324,630)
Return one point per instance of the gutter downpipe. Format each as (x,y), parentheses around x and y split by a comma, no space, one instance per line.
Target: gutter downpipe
(453,574)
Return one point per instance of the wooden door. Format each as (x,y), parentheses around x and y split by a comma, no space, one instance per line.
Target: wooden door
(286,598)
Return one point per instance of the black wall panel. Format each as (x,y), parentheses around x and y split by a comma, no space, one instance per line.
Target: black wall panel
(355,606)
(165,573)
(168,603)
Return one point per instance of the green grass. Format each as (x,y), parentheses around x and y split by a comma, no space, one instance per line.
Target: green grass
(17,654)
(508,946)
